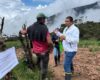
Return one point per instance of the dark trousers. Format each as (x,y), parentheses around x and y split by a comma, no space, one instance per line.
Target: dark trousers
(43,65)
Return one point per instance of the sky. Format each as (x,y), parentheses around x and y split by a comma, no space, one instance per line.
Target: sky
(37,2)
(18,12)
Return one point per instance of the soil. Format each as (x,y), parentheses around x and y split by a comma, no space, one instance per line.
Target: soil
(86,65)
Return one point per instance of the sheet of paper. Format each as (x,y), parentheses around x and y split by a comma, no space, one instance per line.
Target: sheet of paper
(8,60)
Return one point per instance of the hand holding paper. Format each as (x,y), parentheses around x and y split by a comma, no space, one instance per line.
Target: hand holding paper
(62,37)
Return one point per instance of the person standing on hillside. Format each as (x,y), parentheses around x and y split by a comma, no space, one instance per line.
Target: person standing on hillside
(42,44)
(70,38)
(56,49)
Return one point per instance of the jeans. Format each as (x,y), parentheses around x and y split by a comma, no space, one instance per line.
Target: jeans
(68,63)
(56,52)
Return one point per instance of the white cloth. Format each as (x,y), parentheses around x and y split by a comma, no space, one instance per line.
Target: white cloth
(70,43)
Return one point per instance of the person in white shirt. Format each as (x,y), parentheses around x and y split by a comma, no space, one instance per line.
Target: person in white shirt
(70,40)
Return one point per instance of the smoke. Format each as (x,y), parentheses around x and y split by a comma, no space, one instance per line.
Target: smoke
(91,15)
(87,10)
(16,13)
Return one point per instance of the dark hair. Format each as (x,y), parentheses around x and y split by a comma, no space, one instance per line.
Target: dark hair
(70,18)
(40,18)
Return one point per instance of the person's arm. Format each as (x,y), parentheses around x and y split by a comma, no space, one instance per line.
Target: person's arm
(23,31)
(49,41)
(73,37)
(59,34)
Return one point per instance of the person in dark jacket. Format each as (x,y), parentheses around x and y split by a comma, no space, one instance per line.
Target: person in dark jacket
(55,40)
(41,43)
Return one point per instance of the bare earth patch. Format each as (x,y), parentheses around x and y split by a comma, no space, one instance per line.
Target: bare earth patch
(86,64)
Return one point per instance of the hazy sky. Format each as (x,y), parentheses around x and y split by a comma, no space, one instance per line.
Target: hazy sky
(18,12)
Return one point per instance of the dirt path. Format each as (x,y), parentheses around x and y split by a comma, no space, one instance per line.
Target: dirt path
(86,64)
(57,71)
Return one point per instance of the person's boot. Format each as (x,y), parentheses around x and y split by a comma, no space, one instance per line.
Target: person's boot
(72,68)
(59,59)
(68,76)
(43,76)
(55,58)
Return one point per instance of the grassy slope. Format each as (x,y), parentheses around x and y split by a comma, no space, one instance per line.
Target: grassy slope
(22,72)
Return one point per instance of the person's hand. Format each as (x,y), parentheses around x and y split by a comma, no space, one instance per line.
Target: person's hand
(57,40)
(62,37)
(23,31)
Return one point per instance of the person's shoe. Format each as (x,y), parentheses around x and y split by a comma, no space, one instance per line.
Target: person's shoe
(68,76)
(75,74)
(45,78)
(58,63)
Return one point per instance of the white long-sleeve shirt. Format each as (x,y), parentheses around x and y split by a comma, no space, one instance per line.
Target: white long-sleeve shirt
(71,34)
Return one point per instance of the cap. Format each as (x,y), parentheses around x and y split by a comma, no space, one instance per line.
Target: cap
(41,15)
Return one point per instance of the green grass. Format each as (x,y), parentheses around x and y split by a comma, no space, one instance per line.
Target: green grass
(87,43)
(16,44)
(93,45)
(22,72)
(82,43)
